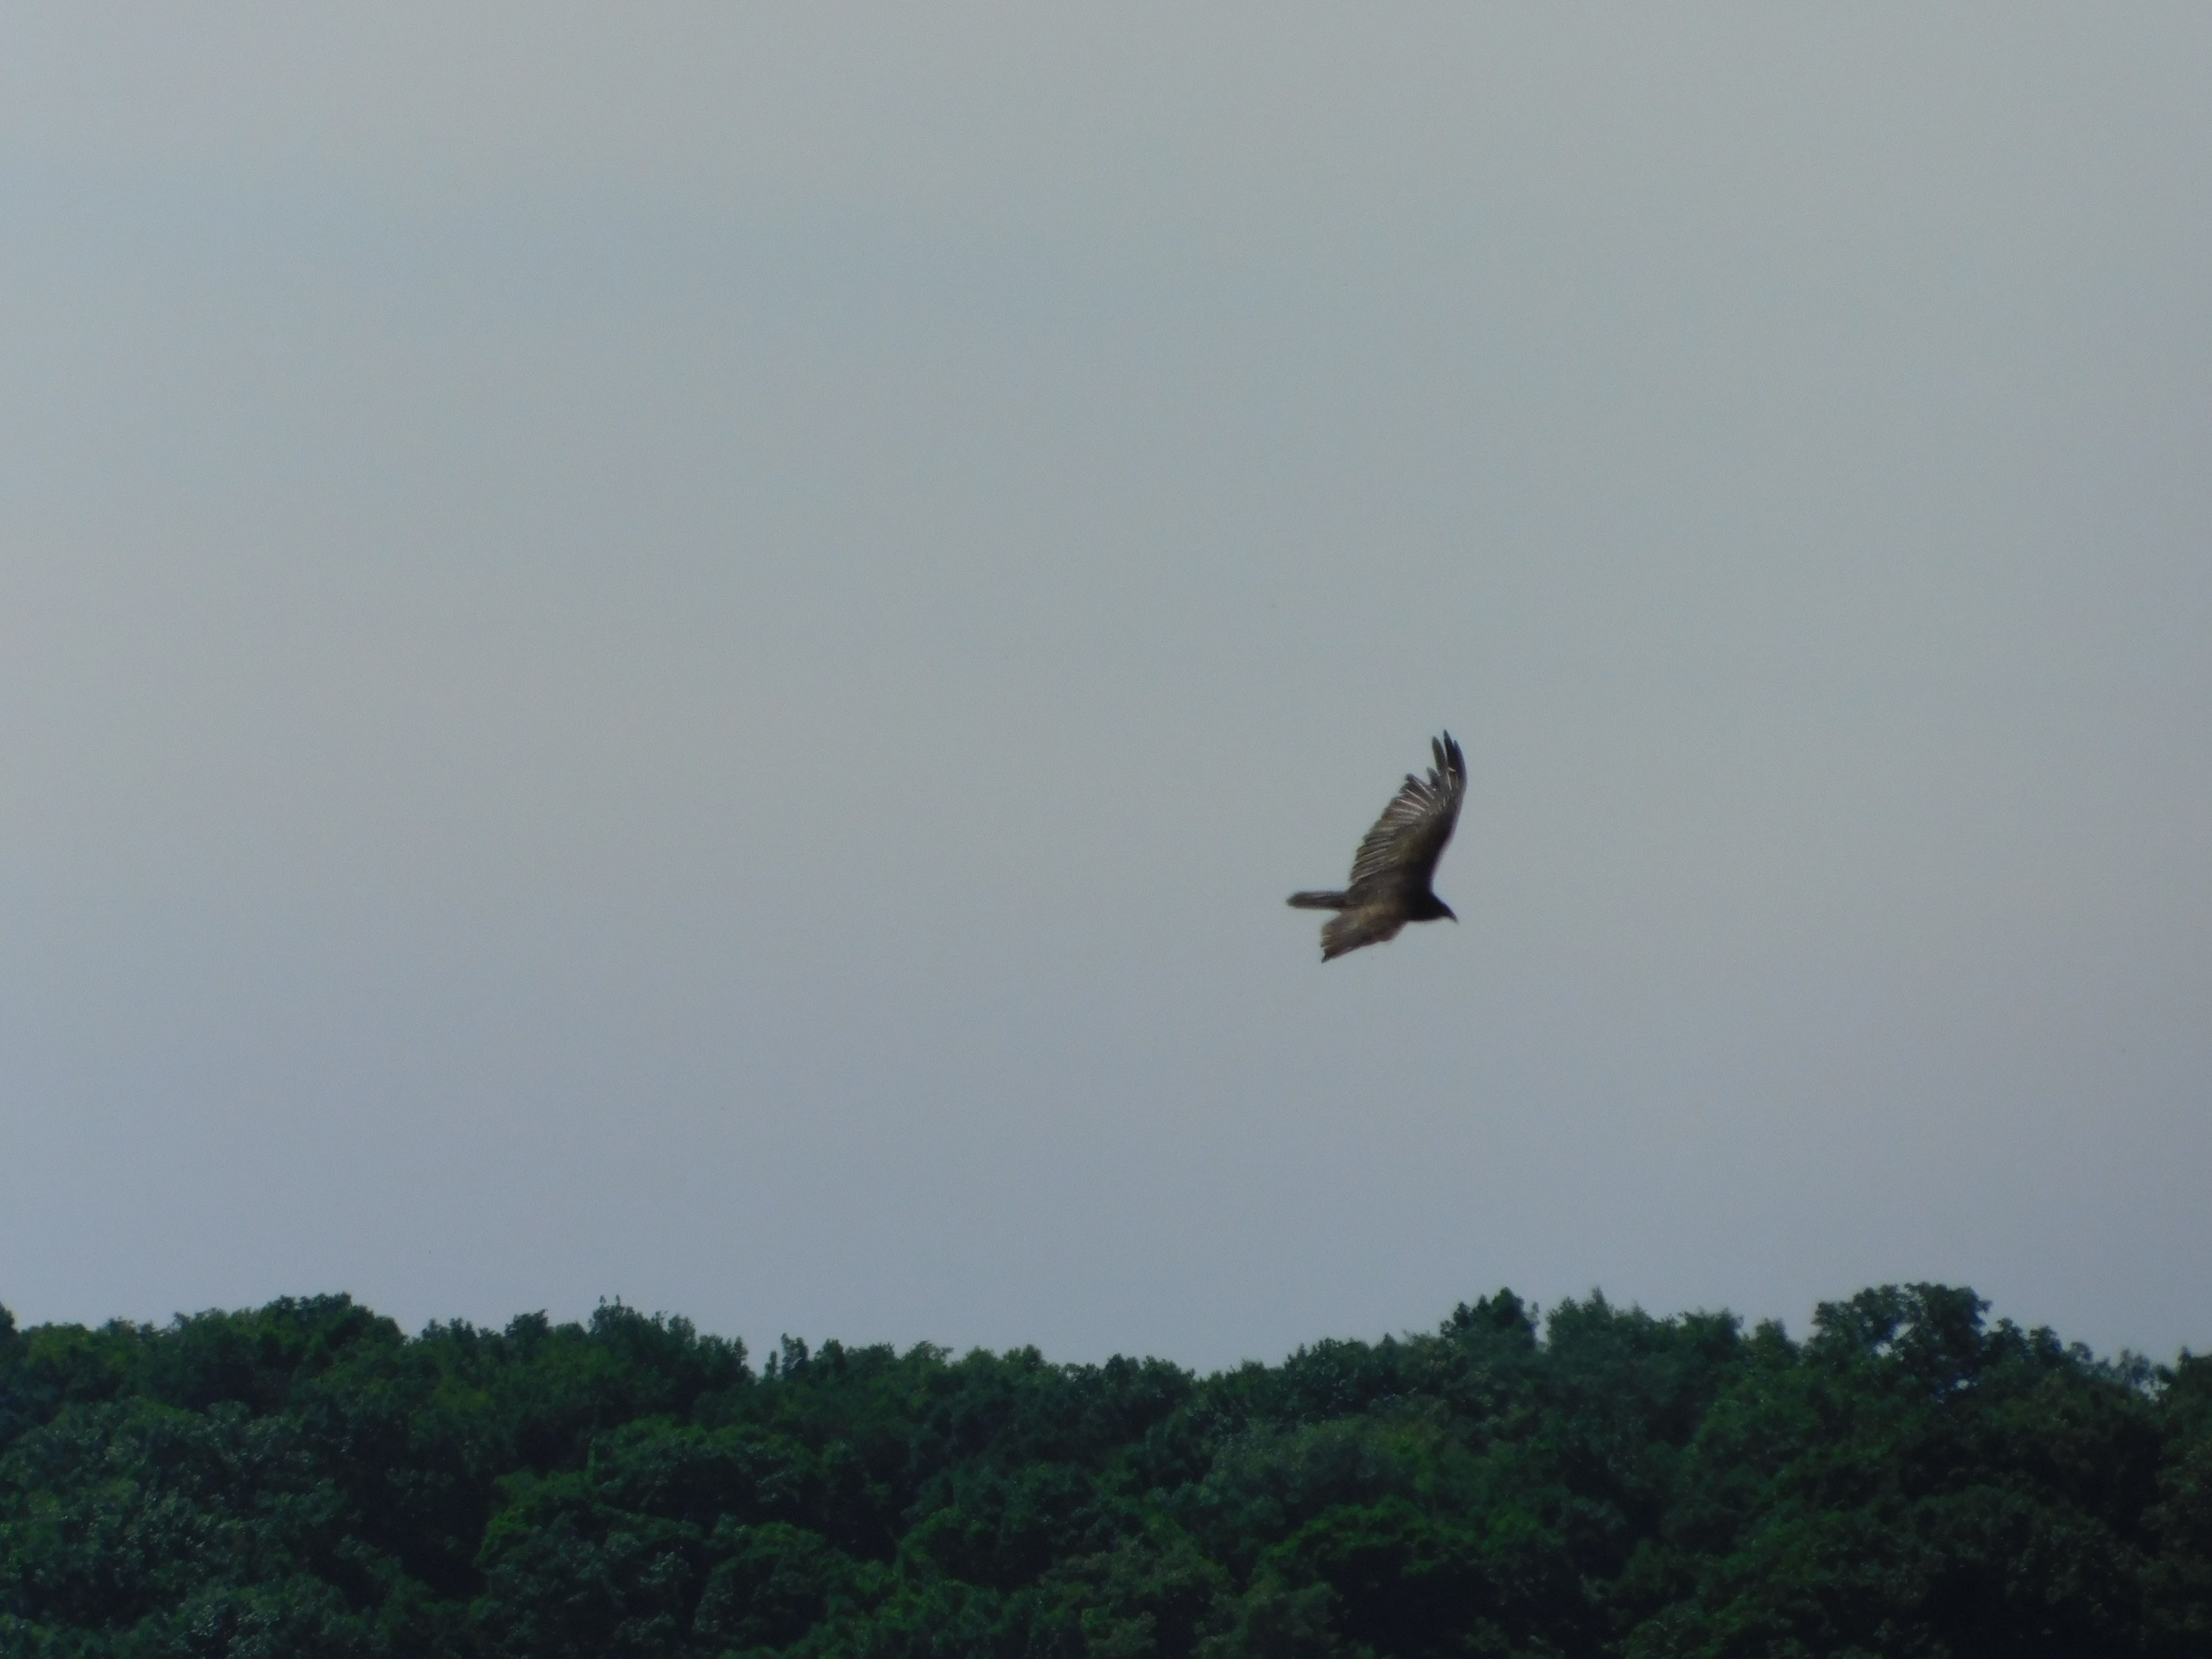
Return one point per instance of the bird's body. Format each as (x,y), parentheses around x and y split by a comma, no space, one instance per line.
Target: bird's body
(1392,871)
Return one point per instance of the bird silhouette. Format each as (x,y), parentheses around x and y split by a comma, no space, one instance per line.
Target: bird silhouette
(1391,872)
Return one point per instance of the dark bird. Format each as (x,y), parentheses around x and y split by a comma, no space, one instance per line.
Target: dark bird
(1391,872)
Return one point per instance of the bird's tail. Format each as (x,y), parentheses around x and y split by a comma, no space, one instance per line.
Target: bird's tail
(1317,901)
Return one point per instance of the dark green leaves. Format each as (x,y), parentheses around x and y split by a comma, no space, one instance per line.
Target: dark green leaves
(302,1479)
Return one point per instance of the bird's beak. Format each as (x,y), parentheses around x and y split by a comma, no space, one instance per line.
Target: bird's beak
(1449,916)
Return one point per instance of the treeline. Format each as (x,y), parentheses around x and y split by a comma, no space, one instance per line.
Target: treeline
(305,1479)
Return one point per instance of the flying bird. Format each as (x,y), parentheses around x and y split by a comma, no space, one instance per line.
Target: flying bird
(1391,872)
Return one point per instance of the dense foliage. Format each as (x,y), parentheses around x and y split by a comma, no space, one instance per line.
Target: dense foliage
(305,1479)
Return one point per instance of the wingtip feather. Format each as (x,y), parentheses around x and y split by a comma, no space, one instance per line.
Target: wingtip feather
(1450,761)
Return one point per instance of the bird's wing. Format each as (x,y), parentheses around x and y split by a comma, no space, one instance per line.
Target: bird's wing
(1402,849)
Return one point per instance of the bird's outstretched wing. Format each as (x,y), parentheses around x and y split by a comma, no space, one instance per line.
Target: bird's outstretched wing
(1400,853)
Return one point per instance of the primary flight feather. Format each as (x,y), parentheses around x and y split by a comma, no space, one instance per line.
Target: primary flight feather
(1391,872)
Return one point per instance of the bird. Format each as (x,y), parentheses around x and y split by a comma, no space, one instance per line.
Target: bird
(1391,872)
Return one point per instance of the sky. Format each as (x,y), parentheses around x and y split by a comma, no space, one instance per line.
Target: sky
(685,653)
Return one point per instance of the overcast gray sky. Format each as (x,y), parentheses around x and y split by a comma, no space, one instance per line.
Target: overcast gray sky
(684,653)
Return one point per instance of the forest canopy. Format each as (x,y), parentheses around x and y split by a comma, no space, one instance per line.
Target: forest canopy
(305,1479)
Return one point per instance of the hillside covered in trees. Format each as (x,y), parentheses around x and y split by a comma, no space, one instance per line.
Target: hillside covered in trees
(306,1479)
